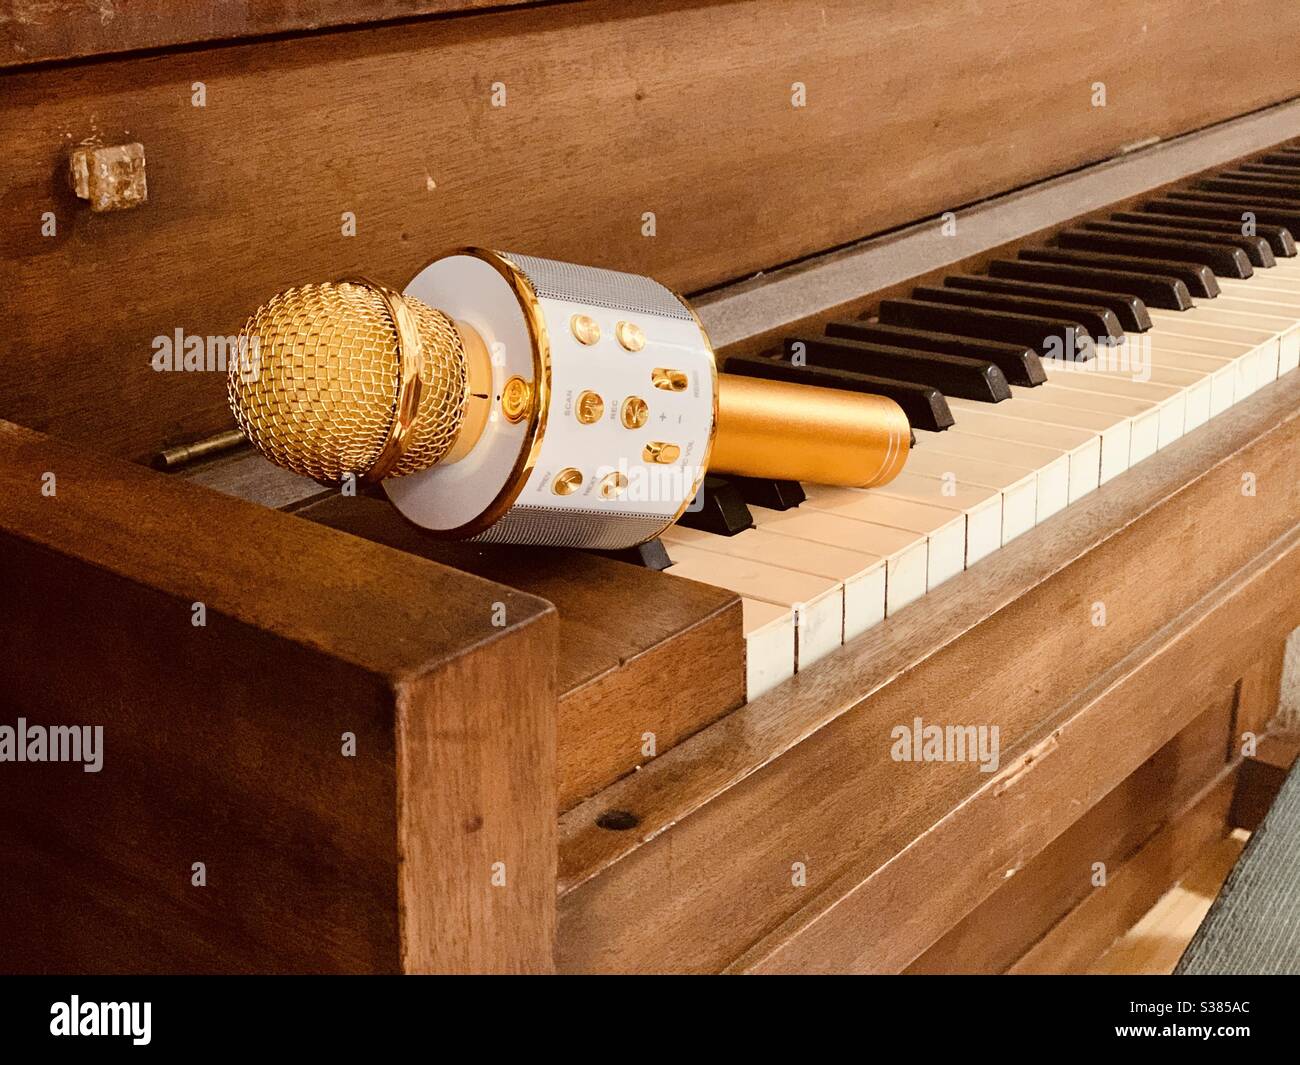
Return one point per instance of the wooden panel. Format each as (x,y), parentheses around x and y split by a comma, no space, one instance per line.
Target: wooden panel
(1154,944)
(639,651)
(1092,927)
(764,730)
(756,315)
(1260,689)
(611,113)
(1260,779)
(223,742)
(716,816)
(992,936)
(475,789)
(34,31)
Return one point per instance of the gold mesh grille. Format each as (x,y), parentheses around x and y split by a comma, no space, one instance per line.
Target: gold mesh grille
(322,394)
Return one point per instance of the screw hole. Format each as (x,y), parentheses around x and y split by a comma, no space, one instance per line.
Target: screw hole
(617,820)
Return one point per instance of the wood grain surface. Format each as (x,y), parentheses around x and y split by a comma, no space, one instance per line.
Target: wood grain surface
(1090,929)
(1005,926)
(223,743)
(804,773)
(639,652)
(37,31)
(612,111)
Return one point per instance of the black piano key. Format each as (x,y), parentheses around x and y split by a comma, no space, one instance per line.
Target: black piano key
(1129,310)
(953,375)
(1244,186)
(1238,206)
(1223,261)
(1278,198)
(774,495)
(1279,238)
(1049,337)
(1167,293)
(1284,158)
(1271,169)
(1199,280)
(717,508)
(1256,248)
(1019,364)
(651,555)
(1230,210)
(1283,180)
(924,405)
(1097,320)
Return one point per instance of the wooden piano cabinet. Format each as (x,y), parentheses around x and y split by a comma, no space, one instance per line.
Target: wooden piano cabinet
(646,659)
(1027,917)
(431,849)
(502,812)
(611,112)
(1197,578)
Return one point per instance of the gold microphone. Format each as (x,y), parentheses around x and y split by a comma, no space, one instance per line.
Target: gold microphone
(513,399)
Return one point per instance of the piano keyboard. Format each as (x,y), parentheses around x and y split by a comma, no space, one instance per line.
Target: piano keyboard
(1189,316)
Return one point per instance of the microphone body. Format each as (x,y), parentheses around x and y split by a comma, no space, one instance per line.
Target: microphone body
(512,399)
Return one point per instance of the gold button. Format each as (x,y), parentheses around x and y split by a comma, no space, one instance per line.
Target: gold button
(658,451)
(669,380)
(516,399)
(635,412)
(589,407)
(568,482)
(612,484)
(584,328)
(630,335)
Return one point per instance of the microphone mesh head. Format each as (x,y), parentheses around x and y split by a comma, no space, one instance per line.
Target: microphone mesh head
(317,390)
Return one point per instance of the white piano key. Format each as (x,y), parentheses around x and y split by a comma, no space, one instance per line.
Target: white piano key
(1278,305)
(769,645)
(1201,330)
(862,575)
(1192,388)
(1170,400)
(1115,433)
(1219,390)
(1261,286)
(982,507)
(1288,361)
(1017,485)
(1051,466)
(1279,295)
(818,603)
(1285,327)
(1143,414)
(945,531)
(1240,364)
(905,554)
(1286,276)
(1082,448)
(1171,359)
(1204,322)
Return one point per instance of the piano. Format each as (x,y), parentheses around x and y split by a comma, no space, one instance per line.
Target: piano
(978,719)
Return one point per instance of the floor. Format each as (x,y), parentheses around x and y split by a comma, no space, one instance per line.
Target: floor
(1153,946)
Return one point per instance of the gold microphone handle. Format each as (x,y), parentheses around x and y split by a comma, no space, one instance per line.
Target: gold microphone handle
(796,432)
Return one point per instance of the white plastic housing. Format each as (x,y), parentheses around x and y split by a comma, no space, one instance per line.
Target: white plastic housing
(504,489)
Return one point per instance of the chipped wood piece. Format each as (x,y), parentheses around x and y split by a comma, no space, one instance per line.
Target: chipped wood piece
(111,178)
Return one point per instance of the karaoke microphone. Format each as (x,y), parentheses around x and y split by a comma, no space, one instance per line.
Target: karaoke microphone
(509,399)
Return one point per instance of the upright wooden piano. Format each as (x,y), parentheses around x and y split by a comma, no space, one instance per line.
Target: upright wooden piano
(332,743)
